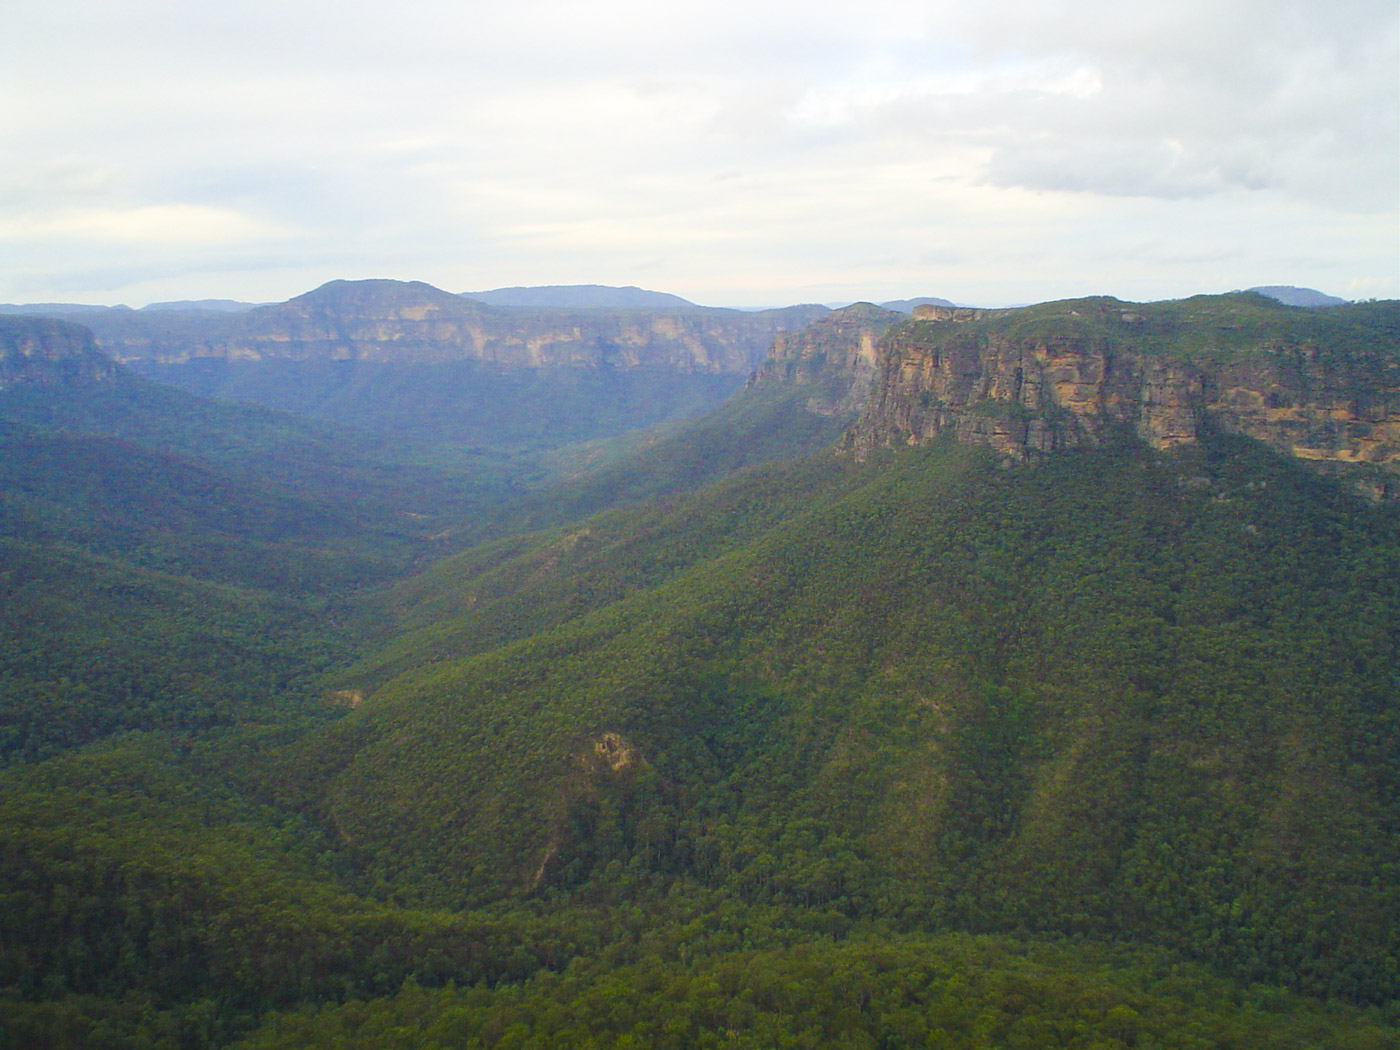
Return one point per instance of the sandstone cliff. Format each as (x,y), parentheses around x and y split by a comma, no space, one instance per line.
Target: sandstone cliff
(39,351)
(1323,386)
(836,356)
(414,323)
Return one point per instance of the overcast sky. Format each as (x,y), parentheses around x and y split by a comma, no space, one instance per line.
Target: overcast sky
(742,154)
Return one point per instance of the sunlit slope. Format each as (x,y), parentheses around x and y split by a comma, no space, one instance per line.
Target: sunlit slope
(1121,692)
(764,423)
(513,588)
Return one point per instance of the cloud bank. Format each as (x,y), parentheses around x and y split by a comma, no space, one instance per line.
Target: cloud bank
(737,154)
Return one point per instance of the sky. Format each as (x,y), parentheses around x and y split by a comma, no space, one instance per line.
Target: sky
(738,154)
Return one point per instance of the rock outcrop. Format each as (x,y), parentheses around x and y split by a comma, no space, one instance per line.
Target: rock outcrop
(836,357)
(401,322)
(1323,386)
(39,351)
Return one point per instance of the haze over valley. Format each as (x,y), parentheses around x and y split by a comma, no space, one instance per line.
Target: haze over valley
(621,527)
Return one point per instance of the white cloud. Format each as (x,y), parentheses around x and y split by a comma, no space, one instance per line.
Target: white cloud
(792,146)
(182,224)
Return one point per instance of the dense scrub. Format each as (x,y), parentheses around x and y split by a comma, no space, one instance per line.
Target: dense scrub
(1112,695)
(925,751)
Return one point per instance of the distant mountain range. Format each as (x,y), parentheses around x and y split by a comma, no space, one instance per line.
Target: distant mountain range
(406,322)
(220,306)
(589,297)
(1290,295)
(223,306)
(412,360)
(904,306)
(406,358)
(583,297)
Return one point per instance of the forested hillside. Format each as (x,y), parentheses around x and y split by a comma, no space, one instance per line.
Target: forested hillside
(1112,695)
(711,736)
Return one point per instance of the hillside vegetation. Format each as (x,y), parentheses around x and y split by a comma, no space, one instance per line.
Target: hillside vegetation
(1027,699)
(728,739)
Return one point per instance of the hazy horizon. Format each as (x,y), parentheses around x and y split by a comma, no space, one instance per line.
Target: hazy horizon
(831,303)
(733,155)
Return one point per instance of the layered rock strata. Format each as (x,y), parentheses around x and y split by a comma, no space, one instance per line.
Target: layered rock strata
(1063,375)
(414,323)
(39,351)
(837,357)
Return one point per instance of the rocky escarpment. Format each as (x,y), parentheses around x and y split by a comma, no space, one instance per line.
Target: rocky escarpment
(398,322)
(836,357)
(39,351)
(1323,386)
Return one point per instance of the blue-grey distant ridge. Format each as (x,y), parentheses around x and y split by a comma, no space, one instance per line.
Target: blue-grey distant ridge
(1290,295)
(583,297)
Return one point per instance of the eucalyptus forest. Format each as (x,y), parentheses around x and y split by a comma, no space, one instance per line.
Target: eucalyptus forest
(837,695)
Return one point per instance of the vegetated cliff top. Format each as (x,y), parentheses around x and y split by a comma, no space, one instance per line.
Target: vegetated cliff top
(1215,327)
(1197,318)
(1321,385)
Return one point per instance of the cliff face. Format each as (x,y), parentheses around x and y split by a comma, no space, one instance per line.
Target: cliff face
(415,323)
(1323,387)
(38,351)
(836,356)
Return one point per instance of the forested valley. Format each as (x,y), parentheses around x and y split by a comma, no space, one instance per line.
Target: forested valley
(698,733)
